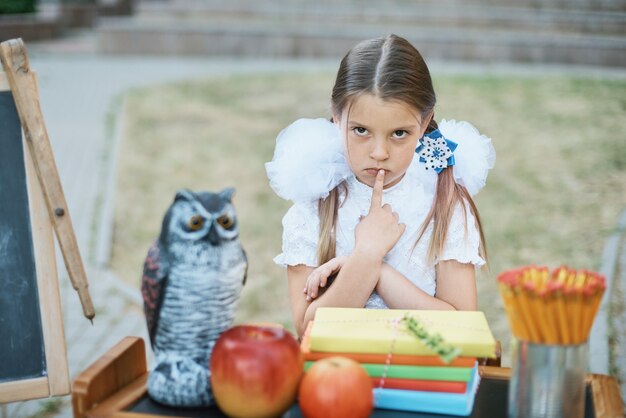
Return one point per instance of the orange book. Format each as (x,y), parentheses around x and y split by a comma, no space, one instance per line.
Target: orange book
(418,384)
(398,359)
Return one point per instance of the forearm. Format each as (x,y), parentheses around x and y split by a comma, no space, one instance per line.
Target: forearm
(398,292)
(352,287)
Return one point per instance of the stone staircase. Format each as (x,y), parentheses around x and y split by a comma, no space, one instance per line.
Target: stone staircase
(591,32)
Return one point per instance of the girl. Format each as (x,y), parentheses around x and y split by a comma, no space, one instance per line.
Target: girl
(382,195)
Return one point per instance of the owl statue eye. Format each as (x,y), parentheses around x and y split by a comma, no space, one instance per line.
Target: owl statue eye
(195,222)
(225,221)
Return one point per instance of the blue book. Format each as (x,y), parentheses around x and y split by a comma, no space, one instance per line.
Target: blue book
(433,402)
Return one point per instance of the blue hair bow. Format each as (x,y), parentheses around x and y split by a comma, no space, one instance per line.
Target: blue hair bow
(436,151)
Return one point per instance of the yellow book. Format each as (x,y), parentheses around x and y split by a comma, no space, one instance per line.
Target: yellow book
(353,330)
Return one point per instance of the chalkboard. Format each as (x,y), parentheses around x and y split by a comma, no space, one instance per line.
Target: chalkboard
(33,360)
(22,348)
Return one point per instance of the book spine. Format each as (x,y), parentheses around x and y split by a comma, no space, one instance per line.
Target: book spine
(417,401)
(452,374)
(395,359)
(421,385)
(383,346)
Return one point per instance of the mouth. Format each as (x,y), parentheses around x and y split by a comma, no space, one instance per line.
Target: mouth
(374,171)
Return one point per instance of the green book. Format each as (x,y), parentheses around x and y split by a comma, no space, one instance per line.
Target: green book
(450,374)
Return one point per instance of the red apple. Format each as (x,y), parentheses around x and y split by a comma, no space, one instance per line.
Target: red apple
(336,387)
(255,371)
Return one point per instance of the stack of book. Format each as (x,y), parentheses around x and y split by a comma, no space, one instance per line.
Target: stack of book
(406,373)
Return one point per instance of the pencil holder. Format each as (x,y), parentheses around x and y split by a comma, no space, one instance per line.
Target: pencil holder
(548,381)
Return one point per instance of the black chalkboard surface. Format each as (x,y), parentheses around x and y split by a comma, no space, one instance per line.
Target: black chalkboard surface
(22,353)
(33,357)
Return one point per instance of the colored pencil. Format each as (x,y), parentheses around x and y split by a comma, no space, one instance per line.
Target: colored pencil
(551,308)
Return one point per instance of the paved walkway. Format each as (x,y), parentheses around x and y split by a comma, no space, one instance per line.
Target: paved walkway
(80,93)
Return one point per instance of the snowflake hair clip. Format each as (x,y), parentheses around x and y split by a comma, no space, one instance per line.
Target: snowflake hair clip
(436,151)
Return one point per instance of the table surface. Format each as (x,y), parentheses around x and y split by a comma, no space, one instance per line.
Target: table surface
(115,386)
(491,401)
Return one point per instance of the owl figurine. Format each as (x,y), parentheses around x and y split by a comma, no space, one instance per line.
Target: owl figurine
(192,279)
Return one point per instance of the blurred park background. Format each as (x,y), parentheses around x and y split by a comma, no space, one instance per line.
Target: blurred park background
(546,80)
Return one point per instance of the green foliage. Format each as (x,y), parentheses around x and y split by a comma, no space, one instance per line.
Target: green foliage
(48,408)
(434,342)
(17,6)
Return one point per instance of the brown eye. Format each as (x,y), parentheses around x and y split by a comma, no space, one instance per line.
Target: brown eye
(195,222)
(225,221)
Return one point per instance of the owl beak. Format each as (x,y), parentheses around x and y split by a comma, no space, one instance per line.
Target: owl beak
(213,236)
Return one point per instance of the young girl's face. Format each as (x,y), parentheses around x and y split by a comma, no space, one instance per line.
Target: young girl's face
(380,134)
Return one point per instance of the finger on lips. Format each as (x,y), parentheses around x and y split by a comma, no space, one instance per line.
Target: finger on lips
(377,190)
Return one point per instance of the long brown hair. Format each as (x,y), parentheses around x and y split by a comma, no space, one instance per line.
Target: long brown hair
(392,69)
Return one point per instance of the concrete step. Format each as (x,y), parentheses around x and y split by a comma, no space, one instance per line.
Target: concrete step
(462,15)
(44,24)
(331,39)
(590,5)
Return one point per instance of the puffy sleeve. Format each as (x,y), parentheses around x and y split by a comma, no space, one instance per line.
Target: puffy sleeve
(463,238)
(300,236)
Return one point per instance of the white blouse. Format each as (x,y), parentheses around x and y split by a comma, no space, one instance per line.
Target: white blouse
(412,201)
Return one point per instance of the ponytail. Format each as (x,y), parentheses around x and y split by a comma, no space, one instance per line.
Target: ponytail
(328,213)
(448,195)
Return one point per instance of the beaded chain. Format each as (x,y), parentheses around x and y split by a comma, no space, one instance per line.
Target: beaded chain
(396,323)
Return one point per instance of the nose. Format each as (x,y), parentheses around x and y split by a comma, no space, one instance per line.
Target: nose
(379,151)
(213,236)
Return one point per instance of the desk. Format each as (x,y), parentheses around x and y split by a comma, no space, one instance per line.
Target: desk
(115,387)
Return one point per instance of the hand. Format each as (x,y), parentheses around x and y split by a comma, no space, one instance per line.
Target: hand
(380,229)
(319,277)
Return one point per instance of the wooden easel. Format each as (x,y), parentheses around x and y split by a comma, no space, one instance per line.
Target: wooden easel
(48,210)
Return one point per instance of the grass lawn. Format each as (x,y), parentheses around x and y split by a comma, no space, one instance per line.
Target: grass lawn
(553,197)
